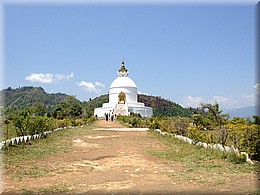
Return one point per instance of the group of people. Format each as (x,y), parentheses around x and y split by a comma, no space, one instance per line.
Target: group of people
(109,116)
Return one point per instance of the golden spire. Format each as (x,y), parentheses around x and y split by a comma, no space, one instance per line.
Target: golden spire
(123,71)
(123,67)
(123,63)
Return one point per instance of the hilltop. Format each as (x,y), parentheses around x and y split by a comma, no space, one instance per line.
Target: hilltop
(23,97)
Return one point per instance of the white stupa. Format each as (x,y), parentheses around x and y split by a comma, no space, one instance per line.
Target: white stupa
(123,97)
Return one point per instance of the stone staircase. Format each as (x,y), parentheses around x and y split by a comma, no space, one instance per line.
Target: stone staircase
(121,109)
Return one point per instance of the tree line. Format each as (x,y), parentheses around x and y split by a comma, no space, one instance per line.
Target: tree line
(38,119)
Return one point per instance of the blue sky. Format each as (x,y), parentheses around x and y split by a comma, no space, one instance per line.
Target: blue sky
(188,53)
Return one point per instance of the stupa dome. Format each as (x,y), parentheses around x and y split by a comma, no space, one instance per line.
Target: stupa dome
(123,97)
(123,82)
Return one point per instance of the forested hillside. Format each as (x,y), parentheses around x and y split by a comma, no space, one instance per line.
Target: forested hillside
(96,102)
(20,98)
(23,97)
(161,106)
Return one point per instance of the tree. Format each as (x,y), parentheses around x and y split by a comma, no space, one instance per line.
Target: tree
(7,122)
(210,117)
(69,107)
(27,123)
(39,109)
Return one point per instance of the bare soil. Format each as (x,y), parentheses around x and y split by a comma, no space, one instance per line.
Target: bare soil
(114,162)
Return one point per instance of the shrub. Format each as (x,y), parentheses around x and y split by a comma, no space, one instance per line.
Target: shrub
(196,134)
(154,123)
(29,125)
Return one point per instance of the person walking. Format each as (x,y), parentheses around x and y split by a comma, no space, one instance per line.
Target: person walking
(112,117)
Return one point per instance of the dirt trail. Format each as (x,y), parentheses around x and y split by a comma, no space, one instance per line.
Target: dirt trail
(108,124)
(110,163)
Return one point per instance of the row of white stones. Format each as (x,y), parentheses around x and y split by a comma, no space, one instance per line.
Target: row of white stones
(24,139)
(220,147)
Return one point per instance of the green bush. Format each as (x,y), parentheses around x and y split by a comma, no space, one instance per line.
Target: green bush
(196,134)
(29,125)
(245,137)
(134,120)
(154,123)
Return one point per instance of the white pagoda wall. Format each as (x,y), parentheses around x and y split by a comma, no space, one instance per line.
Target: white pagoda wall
(143,111)
(130,92)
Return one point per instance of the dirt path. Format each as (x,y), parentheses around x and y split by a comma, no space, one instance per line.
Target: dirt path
(109,162)
(108,124)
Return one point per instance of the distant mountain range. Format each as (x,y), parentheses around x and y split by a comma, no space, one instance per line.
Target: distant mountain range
(245,112)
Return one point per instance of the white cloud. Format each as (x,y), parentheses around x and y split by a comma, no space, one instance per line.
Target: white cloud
(225,102)
(243,100)
(99,84)
(62,76)
(194,102)
(47,78)
(257,89)
(41,78)
(92,87)
(142,93)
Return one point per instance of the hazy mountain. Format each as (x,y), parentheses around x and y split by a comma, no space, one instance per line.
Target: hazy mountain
(243,112)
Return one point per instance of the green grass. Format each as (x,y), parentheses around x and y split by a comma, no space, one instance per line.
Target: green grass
(199,164)
(20,160)
(11,131)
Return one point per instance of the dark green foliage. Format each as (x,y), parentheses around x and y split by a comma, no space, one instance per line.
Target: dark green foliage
(29,111)
(26,123)
(256,120)
(69,107)
(134,120)
(20,98)
(209,116)
(95,103)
